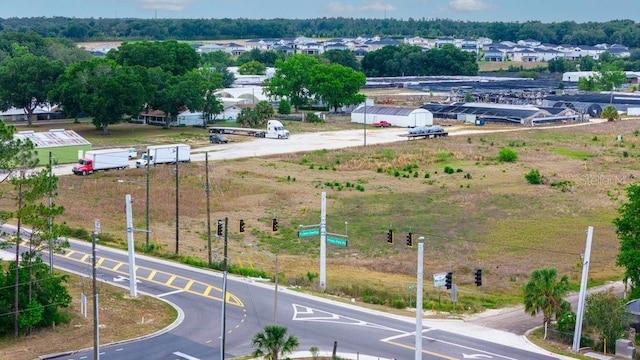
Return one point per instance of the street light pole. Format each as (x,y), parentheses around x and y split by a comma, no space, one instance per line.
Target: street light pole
(418,354)
(147,211)
(275,296)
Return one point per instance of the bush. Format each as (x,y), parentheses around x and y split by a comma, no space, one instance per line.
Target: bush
(507,155)
(313,118)
(448,170)
(533,177)
(284,107)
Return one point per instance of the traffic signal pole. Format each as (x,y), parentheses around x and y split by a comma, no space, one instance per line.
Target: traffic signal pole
(418,354)
(323,242)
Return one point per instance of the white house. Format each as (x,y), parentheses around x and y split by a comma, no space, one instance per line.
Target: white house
(189,118)
(397,116)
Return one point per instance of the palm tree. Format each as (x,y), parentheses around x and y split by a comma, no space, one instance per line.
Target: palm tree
(610,113)
(273,341)
(545,293)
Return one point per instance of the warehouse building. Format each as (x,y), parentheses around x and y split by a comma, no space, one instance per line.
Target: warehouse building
(397,116)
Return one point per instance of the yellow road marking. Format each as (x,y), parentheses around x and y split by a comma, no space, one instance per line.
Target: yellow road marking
(231,299)
(423,351)
(188,287)
(84,257)
(68,253)
(173,277)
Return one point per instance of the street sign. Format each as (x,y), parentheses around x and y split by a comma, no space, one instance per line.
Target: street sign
(334,241)
(96,226)
(308,232)
(439,279)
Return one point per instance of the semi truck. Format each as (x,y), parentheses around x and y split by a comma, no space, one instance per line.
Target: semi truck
(97,160)
(164,154)
(275,130)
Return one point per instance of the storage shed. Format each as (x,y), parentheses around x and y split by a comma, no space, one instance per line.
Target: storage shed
(397,116)
(64,145)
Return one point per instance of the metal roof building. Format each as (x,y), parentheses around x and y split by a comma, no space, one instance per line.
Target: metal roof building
(396,115)
(64,145)
(593,103)
(500,113)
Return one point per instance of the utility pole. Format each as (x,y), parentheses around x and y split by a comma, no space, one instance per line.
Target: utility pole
(208,192)
(364,121)
(50,217)
(133,287)
(224,292)
(583,291)
(177,203)
(96,331)
(275,296)
(147,211)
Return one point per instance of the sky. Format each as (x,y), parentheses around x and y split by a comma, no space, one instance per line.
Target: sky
(546,11)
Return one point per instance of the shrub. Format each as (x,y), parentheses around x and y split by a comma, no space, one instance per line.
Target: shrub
(507,155)
(533,177)
(448,170)
(284,107)
(313,118)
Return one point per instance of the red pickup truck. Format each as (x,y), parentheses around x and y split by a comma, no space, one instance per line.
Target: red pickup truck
(382,123)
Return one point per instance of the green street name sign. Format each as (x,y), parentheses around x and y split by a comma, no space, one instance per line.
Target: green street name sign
(308,232)
(334,241)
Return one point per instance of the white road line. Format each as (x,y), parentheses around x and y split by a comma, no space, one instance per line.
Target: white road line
(185,356)
(170,293)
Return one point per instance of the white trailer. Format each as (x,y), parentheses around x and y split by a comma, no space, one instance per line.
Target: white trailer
(164,154)
(106,159)
(275,130)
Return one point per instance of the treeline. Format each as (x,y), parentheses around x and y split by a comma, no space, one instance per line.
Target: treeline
(625,32)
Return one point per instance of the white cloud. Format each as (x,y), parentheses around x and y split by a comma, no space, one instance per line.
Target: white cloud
(166,5)
(369,5)
(468,5)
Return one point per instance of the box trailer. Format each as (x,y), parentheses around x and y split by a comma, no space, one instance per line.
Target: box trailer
(164,154)
(97,160)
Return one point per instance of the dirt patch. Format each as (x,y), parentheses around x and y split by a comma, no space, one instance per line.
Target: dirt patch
(117,321)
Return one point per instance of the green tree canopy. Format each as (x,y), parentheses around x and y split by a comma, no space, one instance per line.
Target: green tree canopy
(252,67)
(272,342)
(342,57)
(25,81)
(606,315)
(292,79)
(628,229)
(337,85)
(544,292)
(175,57)
(104,90)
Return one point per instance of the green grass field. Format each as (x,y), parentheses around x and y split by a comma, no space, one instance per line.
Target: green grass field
(474,211)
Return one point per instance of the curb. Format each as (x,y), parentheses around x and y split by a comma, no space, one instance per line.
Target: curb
(179,319)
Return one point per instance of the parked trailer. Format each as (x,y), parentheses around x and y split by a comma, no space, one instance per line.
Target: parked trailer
(98,160)
(426,132)
(164,154)
(275,130)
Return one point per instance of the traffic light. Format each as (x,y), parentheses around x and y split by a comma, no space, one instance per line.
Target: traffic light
(449,280)
(410,240)
(478,277)
(241,225)
(390,236)
(274,225)
(220,224)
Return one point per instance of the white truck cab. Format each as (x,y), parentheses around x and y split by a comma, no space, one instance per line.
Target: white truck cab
(275,130)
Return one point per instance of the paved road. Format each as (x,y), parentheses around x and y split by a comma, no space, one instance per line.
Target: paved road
(516,321)
(315,321)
